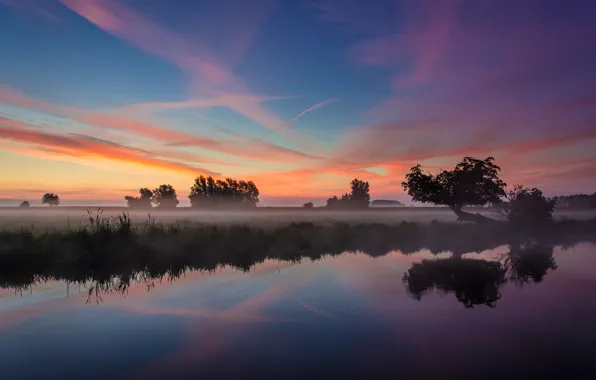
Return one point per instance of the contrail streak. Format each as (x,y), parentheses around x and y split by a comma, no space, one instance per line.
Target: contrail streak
(309,109)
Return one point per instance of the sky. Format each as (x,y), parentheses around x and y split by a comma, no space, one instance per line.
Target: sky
(99,98)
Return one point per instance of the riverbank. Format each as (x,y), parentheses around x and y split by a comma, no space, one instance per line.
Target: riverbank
(114,250)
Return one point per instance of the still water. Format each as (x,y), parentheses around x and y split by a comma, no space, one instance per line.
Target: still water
(347,316)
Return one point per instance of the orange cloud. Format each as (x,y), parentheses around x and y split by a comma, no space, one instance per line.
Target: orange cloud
(243,147)
(86,147)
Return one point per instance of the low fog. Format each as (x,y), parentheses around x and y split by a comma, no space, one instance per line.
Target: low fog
(73,217)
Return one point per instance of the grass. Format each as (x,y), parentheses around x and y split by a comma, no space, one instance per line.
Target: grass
(110,253)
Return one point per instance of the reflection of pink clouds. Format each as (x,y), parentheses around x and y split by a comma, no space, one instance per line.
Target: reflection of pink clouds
(207,340)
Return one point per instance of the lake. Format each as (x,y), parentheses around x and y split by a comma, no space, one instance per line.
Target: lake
(494,314)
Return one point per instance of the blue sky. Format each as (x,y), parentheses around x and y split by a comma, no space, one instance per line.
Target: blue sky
(133,93)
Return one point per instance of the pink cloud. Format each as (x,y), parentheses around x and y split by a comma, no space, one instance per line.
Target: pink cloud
(80,146)
(426,36)
(119,120)
(207,74)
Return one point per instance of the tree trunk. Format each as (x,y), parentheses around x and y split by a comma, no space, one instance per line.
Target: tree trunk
(469,217)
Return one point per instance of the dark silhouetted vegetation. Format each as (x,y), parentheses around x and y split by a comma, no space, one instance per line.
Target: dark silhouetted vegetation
(472,182)
(143,201)
(50,199)
(165,197)
(24,204)
(308,205)
(112,253)
(576,202)
(528,208)
(478,282)
(529,263)
(474,282)
(358,198)
(209,193)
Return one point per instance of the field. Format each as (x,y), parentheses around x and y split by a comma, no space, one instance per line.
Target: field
(73,217)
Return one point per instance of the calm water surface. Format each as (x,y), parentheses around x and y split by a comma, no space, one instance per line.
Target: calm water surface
(349,316)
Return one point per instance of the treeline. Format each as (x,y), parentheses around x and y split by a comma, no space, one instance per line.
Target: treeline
(472,182)
(204,193)
(207,192)
(576,201)
(357,198)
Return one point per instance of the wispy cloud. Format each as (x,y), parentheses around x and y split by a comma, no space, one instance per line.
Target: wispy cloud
(309,109)
(207,73)
(126,119)
(90,147)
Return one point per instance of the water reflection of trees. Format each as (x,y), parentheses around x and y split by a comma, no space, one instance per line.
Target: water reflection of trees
(111,258)
(478,282)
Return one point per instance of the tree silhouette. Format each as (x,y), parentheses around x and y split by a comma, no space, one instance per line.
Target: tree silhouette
(528,208)
(50,199)
(207,192)
(165,197)
(529,263)
(474,282)
(477,282)
(141,202)
(472,182)
(358,197)
(24,204)
(332,202)
(308,205)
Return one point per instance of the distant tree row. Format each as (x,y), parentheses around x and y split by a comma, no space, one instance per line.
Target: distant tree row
(576,201)
(472,182)
(207,192)
(357,198)
(204,193)
(164,197)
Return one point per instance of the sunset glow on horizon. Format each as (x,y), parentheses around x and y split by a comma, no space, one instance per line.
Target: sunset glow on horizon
(99,98)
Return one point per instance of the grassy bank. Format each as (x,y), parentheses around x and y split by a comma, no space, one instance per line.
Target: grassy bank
(62,218)
(112,252)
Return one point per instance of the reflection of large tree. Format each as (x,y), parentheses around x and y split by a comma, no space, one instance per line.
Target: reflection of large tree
(477,282)
(529,263)
(474,282)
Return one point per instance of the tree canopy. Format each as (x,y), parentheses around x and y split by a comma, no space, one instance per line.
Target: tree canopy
(472,182)
(143,201)
(165,196)
(24,204)
(207,192)
(528,207)
(50,199)
(358,197)
(308,205)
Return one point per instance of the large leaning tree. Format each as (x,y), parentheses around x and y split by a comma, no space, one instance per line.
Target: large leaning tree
(472,182)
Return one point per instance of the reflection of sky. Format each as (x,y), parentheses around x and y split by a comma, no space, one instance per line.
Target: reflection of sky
(347,315)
